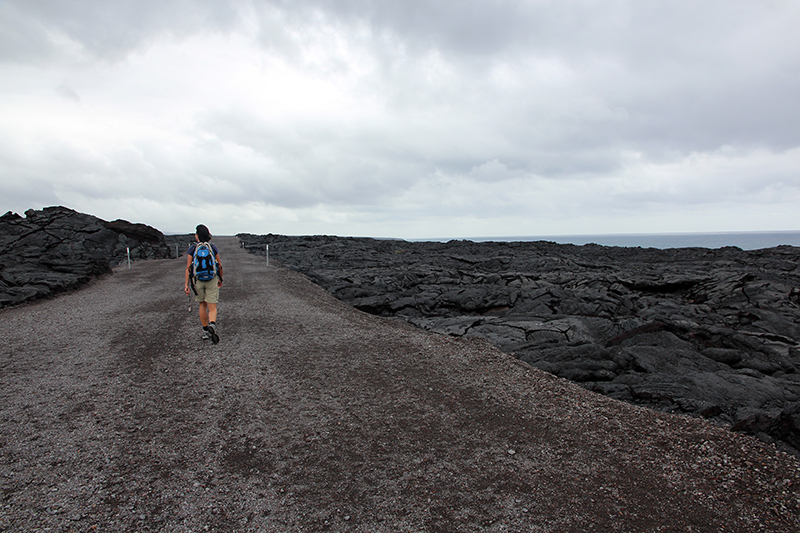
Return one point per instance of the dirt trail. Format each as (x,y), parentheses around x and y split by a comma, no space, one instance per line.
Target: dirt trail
(312,416)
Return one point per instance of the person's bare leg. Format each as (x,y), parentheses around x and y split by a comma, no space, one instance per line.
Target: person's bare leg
(204,313)
(212,313)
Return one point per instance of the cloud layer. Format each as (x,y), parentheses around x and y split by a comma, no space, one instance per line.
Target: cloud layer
(405,119)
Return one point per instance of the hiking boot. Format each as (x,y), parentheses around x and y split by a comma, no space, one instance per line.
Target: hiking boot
(212,330)
(206,335)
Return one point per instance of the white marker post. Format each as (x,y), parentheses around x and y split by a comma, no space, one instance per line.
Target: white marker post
(129,257)
(268,255)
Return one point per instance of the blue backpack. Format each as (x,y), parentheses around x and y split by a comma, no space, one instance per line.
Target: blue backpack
(204,266)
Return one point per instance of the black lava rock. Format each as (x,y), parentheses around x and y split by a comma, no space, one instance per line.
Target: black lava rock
(58,249)
(706,332)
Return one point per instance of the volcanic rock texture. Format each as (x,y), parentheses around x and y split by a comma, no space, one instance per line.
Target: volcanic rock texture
(710,333)
(58,249)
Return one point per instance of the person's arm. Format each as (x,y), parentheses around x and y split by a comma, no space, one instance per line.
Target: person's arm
(186,274)
(219,275)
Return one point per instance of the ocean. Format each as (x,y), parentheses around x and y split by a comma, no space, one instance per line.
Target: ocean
(745,240)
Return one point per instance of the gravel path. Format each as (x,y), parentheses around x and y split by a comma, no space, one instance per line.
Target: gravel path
(312,416)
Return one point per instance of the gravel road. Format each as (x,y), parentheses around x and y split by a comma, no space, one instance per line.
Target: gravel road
(312,416)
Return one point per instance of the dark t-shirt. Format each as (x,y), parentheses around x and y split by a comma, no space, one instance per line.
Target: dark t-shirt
(193,247)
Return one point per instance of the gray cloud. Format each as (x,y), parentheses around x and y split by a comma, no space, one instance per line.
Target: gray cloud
(68,92)
(107,30)
(352,113)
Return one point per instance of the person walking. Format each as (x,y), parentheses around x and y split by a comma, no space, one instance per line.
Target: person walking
(204,278)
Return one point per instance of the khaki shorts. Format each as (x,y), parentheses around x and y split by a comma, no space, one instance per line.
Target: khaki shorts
(207,291)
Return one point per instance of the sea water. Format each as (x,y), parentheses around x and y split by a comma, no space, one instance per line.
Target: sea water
(743,240)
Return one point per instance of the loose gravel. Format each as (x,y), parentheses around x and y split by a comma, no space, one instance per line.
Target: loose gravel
(312,416)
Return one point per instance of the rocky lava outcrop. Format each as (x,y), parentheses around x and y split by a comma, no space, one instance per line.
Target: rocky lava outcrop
(58,249)
(705,332)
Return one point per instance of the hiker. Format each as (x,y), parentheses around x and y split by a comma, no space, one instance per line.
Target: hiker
(204,276)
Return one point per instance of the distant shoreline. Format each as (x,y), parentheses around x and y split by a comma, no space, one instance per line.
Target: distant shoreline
(752,240)
(755,240)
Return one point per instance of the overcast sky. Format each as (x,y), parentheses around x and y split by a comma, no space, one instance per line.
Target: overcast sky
(411,119)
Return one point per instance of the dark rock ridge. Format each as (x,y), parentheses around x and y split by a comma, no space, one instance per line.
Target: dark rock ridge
(58,249)
(705,332)
(179,243)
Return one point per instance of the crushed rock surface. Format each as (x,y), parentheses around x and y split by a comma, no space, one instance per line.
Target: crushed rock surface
(312,416)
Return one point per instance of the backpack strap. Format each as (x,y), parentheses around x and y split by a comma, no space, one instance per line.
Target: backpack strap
(193,250)
(214,264)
